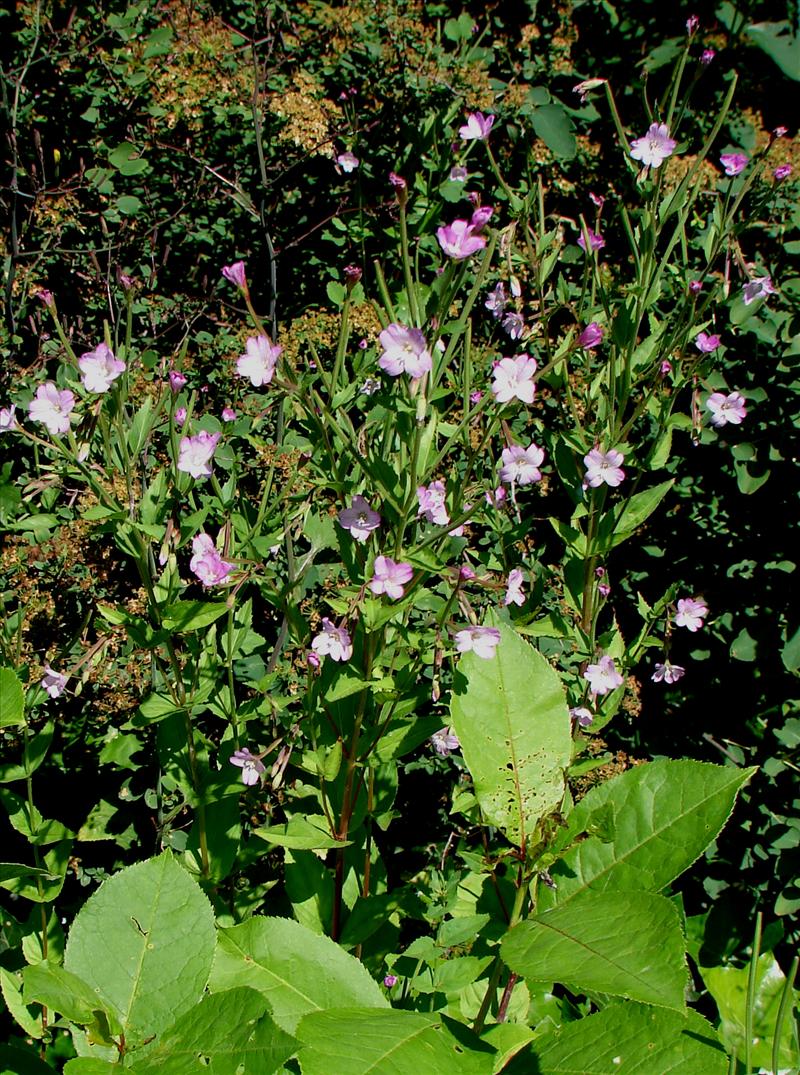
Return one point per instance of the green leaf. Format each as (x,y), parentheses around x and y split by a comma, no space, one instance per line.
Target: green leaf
(662,815)
(17,1062)
(132,934)
(29,1019)
(790,654)
(619,525)
(126,160)
(61,991)
(511,716)
(628,944)
(297,971)
(556,130)
(780,44)
(186,616)
(128,204)
(90,1065)
(302,834)
(12,699)
(634,1039)
(351,1041)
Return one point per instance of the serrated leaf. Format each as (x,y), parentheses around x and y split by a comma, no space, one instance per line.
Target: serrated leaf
(628,944)
(12,699)
(61,991)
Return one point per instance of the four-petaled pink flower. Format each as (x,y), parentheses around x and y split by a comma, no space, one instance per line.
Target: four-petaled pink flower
(207,563)
(460,239)
(348,161)
(8,418)
(390,577)
(404,351)
(514,592)
(514,324)
(251,765)
(497,300)
(445,741)
(596,240)
(691,613)
(431,503)
(603,676)
(53,682)
(99,368)
(258,362)
(667,672)
(706,343)
(604,468)
(783,171)
(52,407)
(476,128)
(359,518)
(591,336)
(726,410)
(521,465)
(513,379)
(333,642)
(758,289)
(654,148)
(482,641)
(733,163)
(195,453)
(236,274)
(458,174)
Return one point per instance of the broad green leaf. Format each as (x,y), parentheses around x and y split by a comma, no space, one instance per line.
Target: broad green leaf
(61,991)
(512,719)
(302,834)
(39,885)
(185,616)
(351,1041)
(17,1062)
(297,971)
(779,43)
(12,699)
(662,816)
(556,130)
(634,1040)
(90,1065)
(619,525)
(132,934)
(28,1018)
(29,822)
(628,944)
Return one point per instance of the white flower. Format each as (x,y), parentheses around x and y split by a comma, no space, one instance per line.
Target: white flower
(258,361)
(100,368)
(333,642)
(52,407)
(603,676)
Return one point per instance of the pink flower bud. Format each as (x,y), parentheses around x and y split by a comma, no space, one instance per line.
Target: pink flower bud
(236,274)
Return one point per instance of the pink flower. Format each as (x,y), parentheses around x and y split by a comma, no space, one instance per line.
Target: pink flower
(707,57)
(514,592)
(228,414)
(45,297)
(251,765)
(665,367)
(582,715)
(207,563)
(695,287)
(459,240)
(195,454)
(757,289)
(348,161)
(521,465)
(458,174)
(53,682)
(585,87)
(477,127)
(654,148)
(604,467)
(706,343)
(466,573)
(333,642)
(100,368)
(176,381)
(781,132)
(591,336)
(258,362)
(52,407)
(514,325)
(726,410)
(691,613)
(596,240)
(8,418)
(734,163)
(513,379)
(783,171)
(431,503)
(445,741)
(390,981)
(404,351)
(669,673)
(497,300)
(480,218)
(603,676)
(236,274)
(390,577)
(359,518)
(482,641)
(180,416)
(397,181)
(692,23)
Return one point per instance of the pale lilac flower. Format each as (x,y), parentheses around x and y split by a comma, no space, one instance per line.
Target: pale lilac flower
(496,498)
(514,325)
(475,397)
(100,368)
(236,274)
(758,289)
(466,573)
(665,367)
(597,199)
(603,676)
(482,641)
(521,465)
(477,127)
(706,343)
(603,589)
(596,240)
(370,386)
(497,300)
(669,673)
(333,642)
(180,416)
(459,240)
(404,351)
(390,577)
(251,765)
(228,414)
(691,613)
(53,682)
(654,147)
(707,57)
(591,336)
(458,174)
(781,132)
(359,518)
(348,161)
(258,362)
(783,171)
(195,454)
(52,407)
(480,218)
(726,410)
(390,980)
(582,715)
(445,741)
(514,592)
(206,563)
(604,467)
(431,503)
(513,379)
(734,163)
(8,418)
(176,381)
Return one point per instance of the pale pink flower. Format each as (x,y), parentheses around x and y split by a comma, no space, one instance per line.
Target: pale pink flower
(445,741)
(596,240)
(603,468)
(236,274)
(603,676)
(390,981)
(177,380)
(258,362)
(781,132)
(497,300)
(431,503)
(466,573)
(591,336)
(521,465)
(359,518)
(758,289)
(458,174)
(333,642)
(460,240)
(399,185)
(53,682)
(206,563)
(8,418)
(100,368)
(180,416)
(654,147)
(195,454)
(726,410)
(783,171)
(582,715)
(706,343)
(707,57)
(514,325)
(45,297)
(692,23)
(514,592)
(52,407)
(584,88)
(390,577)
(482,641)
(477,127)
(513,379)
(404,351)
(348,161)
(480,218)
(251,765)
(691,613)
(667,672)
(734,163)
(228,414)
